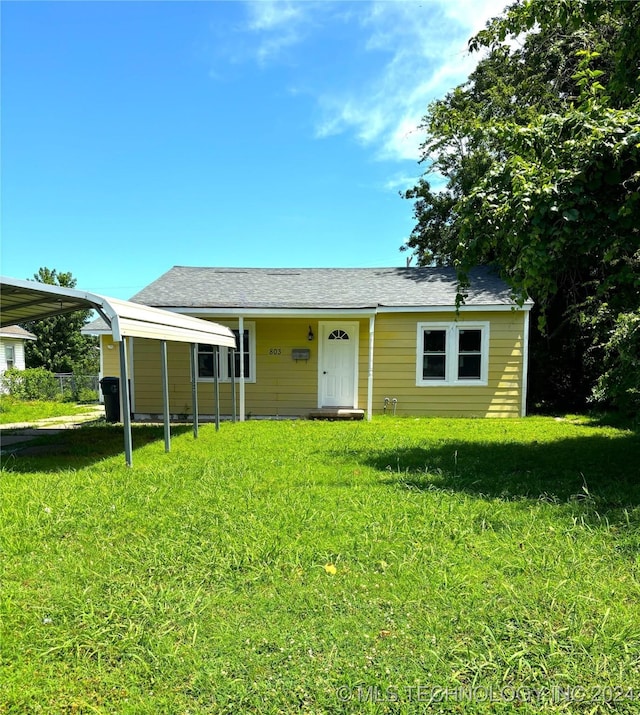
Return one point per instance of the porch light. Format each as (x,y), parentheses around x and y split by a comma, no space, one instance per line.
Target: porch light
(310,335)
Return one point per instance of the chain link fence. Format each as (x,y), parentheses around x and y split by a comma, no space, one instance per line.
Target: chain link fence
(82,388)
(40,384)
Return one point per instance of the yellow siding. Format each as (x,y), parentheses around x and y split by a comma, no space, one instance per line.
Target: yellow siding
(395,368)
(148,381)
(284,387)
(110,357)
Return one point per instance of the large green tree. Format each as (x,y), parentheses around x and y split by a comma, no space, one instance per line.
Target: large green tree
(60,346)
(540,152)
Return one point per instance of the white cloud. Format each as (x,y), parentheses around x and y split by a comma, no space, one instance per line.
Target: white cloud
(278,25)
(474,14)
(426,55)
(415,51)
(272,14)
(401,182)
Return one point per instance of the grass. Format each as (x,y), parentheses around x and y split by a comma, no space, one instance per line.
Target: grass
(397,566)
(29,411)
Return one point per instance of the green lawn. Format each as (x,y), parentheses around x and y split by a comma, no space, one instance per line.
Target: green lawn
(324,567)
(22,411)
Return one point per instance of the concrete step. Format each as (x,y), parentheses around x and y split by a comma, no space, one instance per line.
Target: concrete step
(336,413)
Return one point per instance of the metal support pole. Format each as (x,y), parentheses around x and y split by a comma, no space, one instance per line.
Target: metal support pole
(165,395)
(233,384)
(216,384)
(194,387)
(241,341)
(125,403)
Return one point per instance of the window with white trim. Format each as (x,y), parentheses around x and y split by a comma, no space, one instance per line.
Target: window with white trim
(452,354)
(227,360)
(10,356)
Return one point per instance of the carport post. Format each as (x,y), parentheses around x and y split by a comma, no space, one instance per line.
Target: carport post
(165,394)
(216,383)
(233,385)
(126,402)
(241,340)
(194,387)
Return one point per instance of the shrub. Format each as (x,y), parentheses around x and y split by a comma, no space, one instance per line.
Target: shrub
(619,385)
(83,387)
(31,384)
(85,394)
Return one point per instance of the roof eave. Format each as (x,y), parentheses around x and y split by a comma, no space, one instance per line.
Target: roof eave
(284,312)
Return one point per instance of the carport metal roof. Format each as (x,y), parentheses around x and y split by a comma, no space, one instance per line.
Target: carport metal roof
(23,301)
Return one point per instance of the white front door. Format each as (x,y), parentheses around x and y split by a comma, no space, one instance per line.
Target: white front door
(338,365)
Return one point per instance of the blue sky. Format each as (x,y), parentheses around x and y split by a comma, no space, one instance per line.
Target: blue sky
(141,135)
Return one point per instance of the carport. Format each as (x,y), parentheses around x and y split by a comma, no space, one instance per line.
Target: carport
(22,301)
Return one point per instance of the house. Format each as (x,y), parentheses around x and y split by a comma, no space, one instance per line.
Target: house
(338,341)
(12,340)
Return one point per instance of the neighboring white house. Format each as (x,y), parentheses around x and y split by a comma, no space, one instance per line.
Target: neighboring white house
(12,339)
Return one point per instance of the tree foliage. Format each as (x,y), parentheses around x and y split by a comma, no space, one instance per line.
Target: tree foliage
(60,346)
(620,381)
(540,151)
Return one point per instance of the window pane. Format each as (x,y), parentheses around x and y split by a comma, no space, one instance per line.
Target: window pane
(247,359)
(339,335)
(470,341)
(433,367)
(434,341)
(247,363)
(469,367)
(245,340)
(205,364)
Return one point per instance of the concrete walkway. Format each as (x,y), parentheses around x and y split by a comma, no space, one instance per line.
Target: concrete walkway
(13,436)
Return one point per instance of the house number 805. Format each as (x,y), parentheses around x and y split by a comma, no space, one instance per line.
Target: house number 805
(275,351)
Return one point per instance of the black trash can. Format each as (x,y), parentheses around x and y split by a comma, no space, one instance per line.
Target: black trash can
(111,391)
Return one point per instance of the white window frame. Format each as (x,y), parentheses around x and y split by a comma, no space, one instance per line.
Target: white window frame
(452,332)
(250,328)
(10,355)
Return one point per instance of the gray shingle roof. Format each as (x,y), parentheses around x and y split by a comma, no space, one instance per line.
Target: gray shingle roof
(330,288)
(15,331)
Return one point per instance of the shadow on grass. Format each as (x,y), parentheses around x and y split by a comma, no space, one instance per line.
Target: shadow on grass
(601,471)
(616,420)
(66,449)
